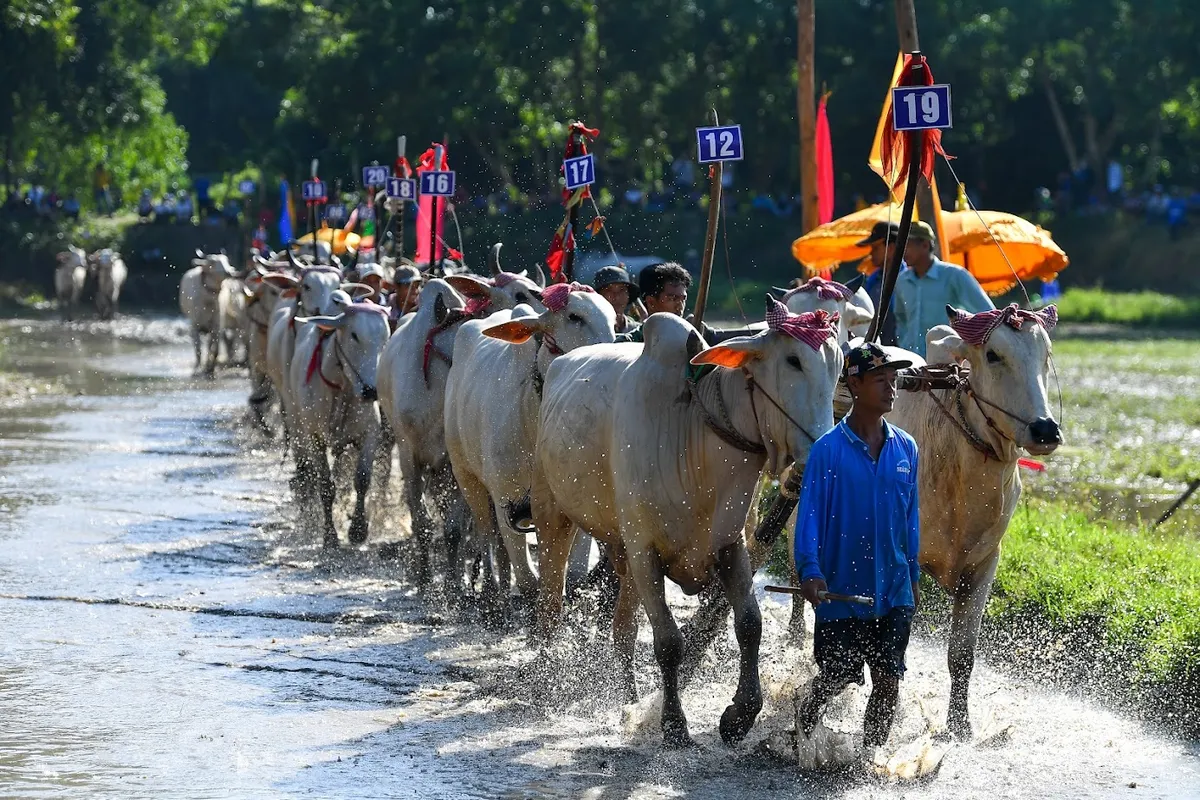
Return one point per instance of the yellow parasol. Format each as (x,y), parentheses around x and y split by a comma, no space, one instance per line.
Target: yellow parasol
(828,245)
(1028,248)
(341,240)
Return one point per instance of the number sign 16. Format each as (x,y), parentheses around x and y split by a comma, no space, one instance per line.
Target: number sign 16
(580,171)
(438,183)
(916,108)
(402,188)
(375,175)
(720,144)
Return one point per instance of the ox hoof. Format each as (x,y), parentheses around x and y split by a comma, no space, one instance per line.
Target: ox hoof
(676,736)
(358,530)
(737,721)
(331,541)
(959,727)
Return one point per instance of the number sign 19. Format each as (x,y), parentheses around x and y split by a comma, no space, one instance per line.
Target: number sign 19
(438,183)
(580,171)
(916,108)
(376,175)
(313,191)
(720,144)
(402,188)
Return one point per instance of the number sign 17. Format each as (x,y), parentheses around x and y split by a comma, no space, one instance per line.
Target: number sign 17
(916,108)
(719,144)
(438,183)
(580,171)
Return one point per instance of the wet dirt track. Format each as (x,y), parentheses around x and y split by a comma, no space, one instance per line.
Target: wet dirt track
(169,632)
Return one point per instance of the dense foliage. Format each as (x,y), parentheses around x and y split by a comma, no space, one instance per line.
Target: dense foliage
(166,88)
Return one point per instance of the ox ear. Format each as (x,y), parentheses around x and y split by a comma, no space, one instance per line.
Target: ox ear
(281,280)
(357,290)
(732,354)
(515,331)
(469,287)
(325,323)
(944,346)
(856,315)
(440,310)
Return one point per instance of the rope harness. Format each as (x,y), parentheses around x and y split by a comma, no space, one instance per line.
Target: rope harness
(454,317)
(723,427)
(957,381)
(314,363)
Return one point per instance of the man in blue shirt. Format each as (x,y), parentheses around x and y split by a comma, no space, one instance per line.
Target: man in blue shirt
(882,241)
(929,285)
(857,534)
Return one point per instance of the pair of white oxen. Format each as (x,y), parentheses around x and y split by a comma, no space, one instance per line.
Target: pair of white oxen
(71,273)
(524,393)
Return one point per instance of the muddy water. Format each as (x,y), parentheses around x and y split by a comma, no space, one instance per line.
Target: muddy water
(169,632)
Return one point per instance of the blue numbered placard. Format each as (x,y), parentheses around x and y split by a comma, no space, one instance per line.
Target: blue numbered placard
(246,187)
(580,171)
(313,191)
(918,108)
(402,188)
(366,211)
(722,143)
(335,212)
(376,175)
(438,183)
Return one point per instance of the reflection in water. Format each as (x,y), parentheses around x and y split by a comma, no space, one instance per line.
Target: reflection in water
(332,679)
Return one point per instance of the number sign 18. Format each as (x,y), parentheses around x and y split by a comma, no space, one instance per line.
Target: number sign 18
(438,183)
(916,108)
(580,171)
(375,175)
(402,188)
(313,190)
(719,144)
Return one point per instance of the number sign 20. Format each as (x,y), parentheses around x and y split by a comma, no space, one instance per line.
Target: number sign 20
(375,175)
(916,108)
(720,143)
(580,171)
(438,183)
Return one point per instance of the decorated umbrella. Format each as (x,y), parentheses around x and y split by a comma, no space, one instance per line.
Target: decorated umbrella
(983,249)
(828,245)
(341,240)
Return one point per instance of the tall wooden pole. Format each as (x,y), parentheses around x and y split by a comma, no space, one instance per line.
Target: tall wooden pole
(906,28)
(710,234)
(806,30)
(568,262)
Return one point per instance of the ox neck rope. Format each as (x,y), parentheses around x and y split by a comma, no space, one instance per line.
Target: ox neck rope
(543,339)
(723,428)
(314,364)
(455,316)
(962,388)
(751,385)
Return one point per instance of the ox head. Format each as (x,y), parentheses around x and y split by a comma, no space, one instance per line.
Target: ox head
(362,331)
(818,294)
(505,290)
(795,363)
(315,289)
(575,316)
(72,257)
(216,268)
(1009,353)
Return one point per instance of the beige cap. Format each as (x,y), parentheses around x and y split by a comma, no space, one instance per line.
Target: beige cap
(921,232)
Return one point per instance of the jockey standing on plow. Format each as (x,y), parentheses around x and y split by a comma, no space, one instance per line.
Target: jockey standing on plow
(857,533)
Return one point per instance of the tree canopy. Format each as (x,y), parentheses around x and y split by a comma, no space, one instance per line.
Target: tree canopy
(163,89)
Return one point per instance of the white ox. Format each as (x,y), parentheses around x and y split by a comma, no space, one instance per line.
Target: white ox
(412,387)
(493,399)
(333,381)
(969,489)
(665,476)
(204,298)
(70,275)
(262,298)
(854,309)
(110,277)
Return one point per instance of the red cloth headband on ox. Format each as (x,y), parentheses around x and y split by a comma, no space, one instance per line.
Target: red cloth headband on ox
(555,296)
(826,290)
(976,329)
(812,327)
(503,279)
(366,305)
(477,306)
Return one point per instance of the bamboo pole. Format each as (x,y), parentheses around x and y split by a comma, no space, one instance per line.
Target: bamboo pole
(906,28)
(710,234)
(806,23)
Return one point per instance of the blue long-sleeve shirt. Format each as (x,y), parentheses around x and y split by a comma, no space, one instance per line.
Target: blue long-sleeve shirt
(858,526)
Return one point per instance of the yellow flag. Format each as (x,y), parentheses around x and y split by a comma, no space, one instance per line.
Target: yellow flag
(875,159)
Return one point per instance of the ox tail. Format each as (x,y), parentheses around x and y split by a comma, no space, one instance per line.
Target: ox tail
(520,515)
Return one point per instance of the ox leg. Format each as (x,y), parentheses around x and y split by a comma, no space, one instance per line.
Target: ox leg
(969,599)
(214,345)
(577,562)
(704,627)
(625,622)
(733,568)
(555,536)
(414,495)
(196,347)
(480,504)
(325,489)
(517,545)
(668,643)
(362,485)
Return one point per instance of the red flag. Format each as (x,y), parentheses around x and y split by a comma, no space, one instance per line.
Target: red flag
(426,209)
(893,149)
(564,238)
(824,165)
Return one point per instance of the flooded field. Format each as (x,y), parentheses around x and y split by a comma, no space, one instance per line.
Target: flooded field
(171,631)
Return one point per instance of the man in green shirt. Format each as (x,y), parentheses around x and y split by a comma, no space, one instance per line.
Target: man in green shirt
(926,287)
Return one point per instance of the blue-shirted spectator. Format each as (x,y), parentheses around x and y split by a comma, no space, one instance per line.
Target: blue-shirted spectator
(857,533)
(882,242)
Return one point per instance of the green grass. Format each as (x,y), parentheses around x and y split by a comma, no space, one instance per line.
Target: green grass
(1134,593)
(1142,309)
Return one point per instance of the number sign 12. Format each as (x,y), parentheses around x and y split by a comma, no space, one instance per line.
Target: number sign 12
(580,171)
(916,108)
(375,175)
(719,144)
(402,188)
(439,183)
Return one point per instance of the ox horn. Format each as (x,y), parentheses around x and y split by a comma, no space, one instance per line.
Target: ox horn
(541,275)
(494,258)
(291,257)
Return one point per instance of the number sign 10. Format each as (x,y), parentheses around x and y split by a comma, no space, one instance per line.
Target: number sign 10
(580,171)
(917,108)
(720,143)
(438,183)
